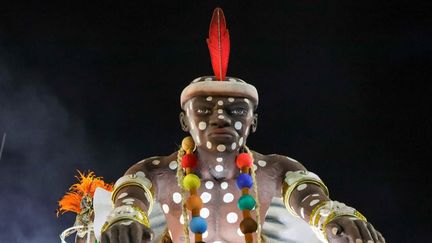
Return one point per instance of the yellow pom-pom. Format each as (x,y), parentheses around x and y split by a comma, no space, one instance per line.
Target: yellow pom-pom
(188,144)
(191,181)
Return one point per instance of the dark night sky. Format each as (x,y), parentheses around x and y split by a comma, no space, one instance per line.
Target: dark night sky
(344,88)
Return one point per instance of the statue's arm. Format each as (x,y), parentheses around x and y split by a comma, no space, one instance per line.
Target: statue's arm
(133,198)
(307,197)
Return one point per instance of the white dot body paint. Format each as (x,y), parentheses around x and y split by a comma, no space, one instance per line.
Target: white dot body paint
(219,168)
(124,194)
(255,167)
(239,232)
(232,217)
(140,174)
(238,125)
(126,222)
(209,98)
(221,148)
(173,165)
(220,111)
(301,187)
(219,159)
(205,197)
(241,141)
(228,197)
(209,145)
(221,117)
(181,219)
(205,234)
(224,185)
(177,197)
(209,184)
(128,201)
(233,146)
(220,102)
(302,212)
(262,163)
(165,208)
(204,212)
(230,99)
(202,125)
(156,162)
(313,202)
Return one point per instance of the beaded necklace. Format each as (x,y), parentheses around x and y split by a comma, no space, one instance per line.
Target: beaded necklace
(191,182)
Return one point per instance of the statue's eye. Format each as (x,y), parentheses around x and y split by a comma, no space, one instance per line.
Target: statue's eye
(203,111)
(239,111)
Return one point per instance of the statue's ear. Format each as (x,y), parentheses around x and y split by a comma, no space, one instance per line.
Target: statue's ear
(184,121)
(254,123)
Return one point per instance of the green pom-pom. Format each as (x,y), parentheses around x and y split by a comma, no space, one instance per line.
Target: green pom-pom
(246,202)
(191,181)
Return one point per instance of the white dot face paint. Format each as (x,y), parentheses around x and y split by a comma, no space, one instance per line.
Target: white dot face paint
(204,212)
(221,148)
(209,98)
(220,111)
(209,145)
(156,162)
(301,187)
(233,146)
(224,185)
(209,185)
(221,117)
(313,202)
(220,102)
(173,165)
(165,208)
(228,197)
(177,197)
(219,159)
(202,125)
(205,197)
(232,217)
(124,194)
(238,125)
(241,141)
(219,168)
(230,99)
(262,163)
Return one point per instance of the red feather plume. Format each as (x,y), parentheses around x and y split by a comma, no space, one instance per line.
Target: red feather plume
(219,44)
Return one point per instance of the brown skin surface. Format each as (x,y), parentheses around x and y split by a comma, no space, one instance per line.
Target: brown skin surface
(214,122)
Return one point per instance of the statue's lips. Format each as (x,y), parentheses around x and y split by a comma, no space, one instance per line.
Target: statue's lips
(221,132)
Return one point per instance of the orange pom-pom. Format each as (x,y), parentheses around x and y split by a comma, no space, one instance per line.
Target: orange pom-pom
(244,160)
(189,161)
(193,202)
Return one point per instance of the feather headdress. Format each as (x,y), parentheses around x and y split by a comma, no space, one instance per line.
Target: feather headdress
(219,44)
(86,186)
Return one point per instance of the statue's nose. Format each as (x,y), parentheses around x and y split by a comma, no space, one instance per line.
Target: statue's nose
(220,119)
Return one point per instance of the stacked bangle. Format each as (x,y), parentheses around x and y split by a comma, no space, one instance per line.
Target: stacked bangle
(126,212)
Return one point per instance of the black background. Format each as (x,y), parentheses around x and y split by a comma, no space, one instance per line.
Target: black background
(344,88)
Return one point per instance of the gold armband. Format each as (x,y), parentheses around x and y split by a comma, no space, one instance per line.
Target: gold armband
(328,211)
(297,178)
(126,212)
(138,179)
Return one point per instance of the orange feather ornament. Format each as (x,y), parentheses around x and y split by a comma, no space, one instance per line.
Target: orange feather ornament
(219,44)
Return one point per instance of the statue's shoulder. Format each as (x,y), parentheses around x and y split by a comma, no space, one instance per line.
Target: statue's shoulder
(155,164)
(277,161)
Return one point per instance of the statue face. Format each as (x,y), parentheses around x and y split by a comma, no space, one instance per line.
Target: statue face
(219,123)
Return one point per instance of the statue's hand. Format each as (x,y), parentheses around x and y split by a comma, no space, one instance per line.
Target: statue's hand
(127,231)
(348,229)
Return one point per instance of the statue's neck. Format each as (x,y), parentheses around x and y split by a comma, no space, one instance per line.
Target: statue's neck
(216,165)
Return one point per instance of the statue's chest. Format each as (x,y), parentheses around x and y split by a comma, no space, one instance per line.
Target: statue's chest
(219,209)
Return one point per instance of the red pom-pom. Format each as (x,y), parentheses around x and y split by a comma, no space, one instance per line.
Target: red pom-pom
(189,161)
(244,160)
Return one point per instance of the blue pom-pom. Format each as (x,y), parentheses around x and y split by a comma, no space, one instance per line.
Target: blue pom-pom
(244,180)
(198,225)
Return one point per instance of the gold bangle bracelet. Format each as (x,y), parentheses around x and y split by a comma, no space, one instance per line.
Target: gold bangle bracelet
(147,191)
(335,215)
(142,219)
(291,188)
